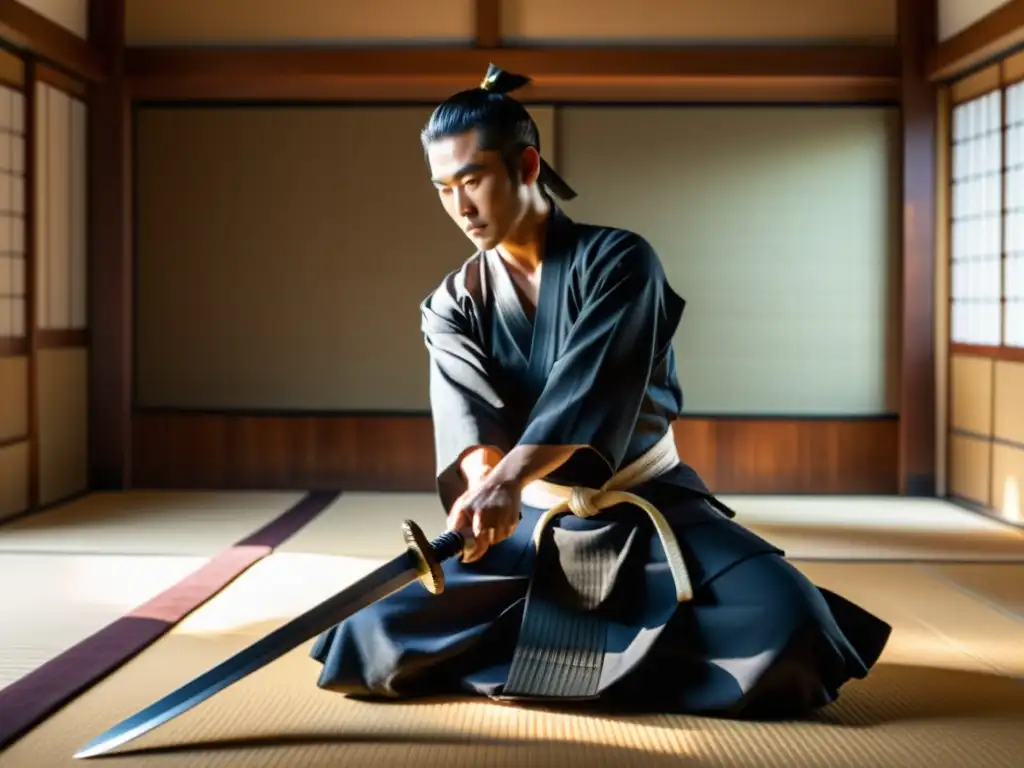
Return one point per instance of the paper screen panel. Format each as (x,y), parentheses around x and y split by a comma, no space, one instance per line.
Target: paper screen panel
(1013,271)
(280,269)
(976,211)
(61,210)
(779,226)
(12,213)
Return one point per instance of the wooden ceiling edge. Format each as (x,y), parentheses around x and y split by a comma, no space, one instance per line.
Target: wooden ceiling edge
(987,39)
(819,74)
(25,29)
(471,63)
(736,89)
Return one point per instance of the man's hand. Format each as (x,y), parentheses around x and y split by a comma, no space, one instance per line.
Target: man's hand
(489,511)
(485,515)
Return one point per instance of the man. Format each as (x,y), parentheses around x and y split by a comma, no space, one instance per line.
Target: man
(598,565)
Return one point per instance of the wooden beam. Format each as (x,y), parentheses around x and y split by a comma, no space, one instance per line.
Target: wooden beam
(488,23)
(28,30)
(864,73)
(917,471)
(110,264)
(986,39)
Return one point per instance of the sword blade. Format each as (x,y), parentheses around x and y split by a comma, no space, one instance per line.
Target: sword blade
(421,561)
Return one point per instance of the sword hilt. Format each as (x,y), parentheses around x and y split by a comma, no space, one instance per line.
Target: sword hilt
(430,555)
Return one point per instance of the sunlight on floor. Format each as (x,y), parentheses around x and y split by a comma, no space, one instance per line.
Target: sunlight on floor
(1009,502)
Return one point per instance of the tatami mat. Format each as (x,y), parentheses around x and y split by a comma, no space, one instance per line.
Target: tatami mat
(191,523)
(942,696)
(877,528)
(1002,587)
(51,602)
(807,528)
(948,691)
(75,617)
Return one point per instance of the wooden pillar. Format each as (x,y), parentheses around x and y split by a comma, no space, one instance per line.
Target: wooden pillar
(917,22)
(110,256)
(32,140)
(488,23)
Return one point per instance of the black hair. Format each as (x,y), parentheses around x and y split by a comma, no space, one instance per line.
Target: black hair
(501,122)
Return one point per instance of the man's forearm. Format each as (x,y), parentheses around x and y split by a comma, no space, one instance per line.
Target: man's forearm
(526,463)
(479,462)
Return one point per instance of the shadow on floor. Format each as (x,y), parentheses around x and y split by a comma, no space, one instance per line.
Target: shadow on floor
(893,696)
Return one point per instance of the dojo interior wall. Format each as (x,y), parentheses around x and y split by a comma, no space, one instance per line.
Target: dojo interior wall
(43,336)
(282,252)
(535,22)
(984,361)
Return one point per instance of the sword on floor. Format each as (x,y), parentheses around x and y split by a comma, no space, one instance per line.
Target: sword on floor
(421,561)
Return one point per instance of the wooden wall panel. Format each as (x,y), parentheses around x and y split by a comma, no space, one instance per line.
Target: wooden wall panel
(375,453)
(298,22)
(530,22)
(63,423)
(970,392)
(13,398)
(1008,482)
(186,450)
(827,456)
(540,22)
(1008,402)
(970,468)
(14,479)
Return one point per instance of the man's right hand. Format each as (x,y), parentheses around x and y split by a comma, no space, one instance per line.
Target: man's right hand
(485,515)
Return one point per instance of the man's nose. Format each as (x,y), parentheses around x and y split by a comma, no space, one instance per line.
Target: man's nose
(462,203)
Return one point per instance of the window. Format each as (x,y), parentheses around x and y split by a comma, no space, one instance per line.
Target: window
(1013,267)
(12,213)
(976,208)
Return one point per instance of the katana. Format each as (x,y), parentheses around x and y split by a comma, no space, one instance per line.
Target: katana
(421,561)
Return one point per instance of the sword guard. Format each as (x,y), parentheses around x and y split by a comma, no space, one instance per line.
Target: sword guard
(430,555)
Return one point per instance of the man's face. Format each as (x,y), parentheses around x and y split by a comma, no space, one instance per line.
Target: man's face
(475,189)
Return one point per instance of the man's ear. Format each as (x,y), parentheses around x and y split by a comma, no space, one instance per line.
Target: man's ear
(529,165)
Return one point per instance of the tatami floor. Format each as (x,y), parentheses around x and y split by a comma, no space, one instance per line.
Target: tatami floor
(187,570)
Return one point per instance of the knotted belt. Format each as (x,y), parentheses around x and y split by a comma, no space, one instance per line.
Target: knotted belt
(589,502)
(562,647)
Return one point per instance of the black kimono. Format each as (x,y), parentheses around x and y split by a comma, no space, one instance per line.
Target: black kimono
(591,613)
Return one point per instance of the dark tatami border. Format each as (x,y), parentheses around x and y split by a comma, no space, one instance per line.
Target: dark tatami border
(31,699)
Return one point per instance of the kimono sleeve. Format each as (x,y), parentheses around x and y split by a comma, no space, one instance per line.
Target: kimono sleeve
(628,314)
(465,405)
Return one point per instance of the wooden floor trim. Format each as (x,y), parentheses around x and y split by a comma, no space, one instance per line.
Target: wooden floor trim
(380,452)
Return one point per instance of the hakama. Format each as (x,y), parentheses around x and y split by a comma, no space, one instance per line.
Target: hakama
(592,614)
